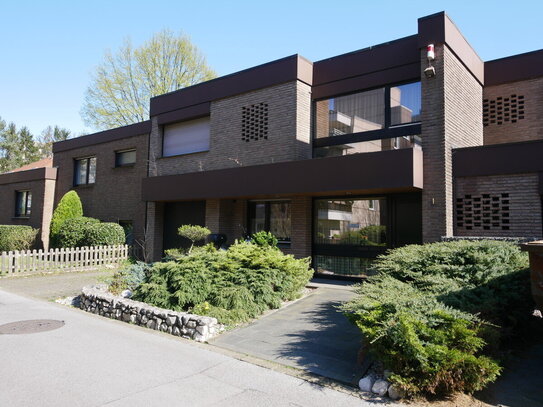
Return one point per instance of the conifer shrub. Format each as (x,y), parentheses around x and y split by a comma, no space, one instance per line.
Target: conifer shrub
(232,285)
(434,314)
(17,237)
(68,207)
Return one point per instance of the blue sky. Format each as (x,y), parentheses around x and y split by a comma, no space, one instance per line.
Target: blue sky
(49,48)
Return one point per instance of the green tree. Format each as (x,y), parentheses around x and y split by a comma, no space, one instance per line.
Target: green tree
(49,136)
(17,147)
(194,233)
(68,207)
(124,82)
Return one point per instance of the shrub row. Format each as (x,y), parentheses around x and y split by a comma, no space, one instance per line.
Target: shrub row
(17,237)
(231,285)
(83,231)
(431,311)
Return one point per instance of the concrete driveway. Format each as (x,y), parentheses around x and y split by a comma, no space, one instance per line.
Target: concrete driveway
(92,361)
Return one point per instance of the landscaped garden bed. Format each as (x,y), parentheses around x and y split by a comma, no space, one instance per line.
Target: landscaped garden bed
(204,287)
(439,317)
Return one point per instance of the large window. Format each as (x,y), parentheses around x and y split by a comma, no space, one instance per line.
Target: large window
(358,222)
(186,137)
(85,171)
(376,120)
(23,204)
(271,216)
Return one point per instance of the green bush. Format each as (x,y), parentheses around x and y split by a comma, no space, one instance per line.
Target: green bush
(232,285)
(430,347)
(426,313)
(68,207)
(130,277)
(194,233)
(104,234)
(17,237)
(73,232)
(264,239)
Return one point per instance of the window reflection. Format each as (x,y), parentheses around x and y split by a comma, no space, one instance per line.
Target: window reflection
(368,146)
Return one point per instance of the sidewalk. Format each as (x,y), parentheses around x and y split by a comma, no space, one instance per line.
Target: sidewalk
(92,361)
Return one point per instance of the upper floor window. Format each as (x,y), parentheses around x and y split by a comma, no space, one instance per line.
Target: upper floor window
(85,171)
(23,203)
(186,137)
(373,120)
(125,157)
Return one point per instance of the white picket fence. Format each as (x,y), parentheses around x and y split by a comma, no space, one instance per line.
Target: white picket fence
(66,259)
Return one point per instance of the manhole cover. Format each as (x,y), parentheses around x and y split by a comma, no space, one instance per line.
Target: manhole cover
(30,327)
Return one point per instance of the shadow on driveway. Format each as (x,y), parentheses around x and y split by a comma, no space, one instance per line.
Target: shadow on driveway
(311,334)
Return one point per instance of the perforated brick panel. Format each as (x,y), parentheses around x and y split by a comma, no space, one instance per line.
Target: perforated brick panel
(503,110)
(483,212)
(254,122)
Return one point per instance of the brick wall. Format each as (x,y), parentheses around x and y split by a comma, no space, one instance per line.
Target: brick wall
(451,117)
(41,208)
(525,123)
(288,138)
(116,194)
(510,205)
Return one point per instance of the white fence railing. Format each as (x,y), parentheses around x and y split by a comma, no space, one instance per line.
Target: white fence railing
(66,259)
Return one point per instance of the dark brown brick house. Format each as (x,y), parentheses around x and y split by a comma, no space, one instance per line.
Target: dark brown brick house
(340,158)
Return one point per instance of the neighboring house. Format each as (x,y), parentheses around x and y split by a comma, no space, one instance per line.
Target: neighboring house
(26,197)
(340,159)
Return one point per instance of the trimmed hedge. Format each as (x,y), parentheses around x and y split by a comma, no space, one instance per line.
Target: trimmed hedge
(83,231)
(104,234)
(434,313)
(73,232)
(69,207)
(17,237)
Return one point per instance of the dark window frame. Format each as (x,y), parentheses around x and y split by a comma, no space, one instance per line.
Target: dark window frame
(76,174)
(27,209)
(387,132)
(118,154)
(267,217)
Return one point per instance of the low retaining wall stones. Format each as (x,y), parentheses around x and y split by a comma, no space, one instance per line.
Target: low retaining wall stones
(97,300)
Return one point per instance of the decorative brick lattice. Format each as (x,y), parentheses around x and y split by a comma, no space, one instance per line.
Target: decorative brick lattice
(254,122)
(503,110)
(483,212)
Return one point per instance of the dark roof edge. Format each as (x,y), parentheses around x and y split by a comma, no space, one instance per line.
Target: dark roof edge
(35,174)
(105,136)
(528,65)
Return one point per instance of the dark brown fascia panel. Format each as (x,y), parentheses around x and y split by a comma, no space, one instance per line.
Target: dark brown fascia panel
(188,113)
(514,68)
(498,159)
(106,136)
(37,174)
(375,79)
(396,170)
(404,51)
(273,73)
(439,29)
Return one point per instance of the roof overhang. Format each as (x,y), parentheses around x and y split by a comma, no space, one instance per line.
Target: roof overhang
(367,173)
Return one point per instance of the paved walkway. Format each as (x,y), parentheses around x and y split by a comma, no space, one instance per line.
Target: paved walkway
(93,361)
(311,334)
(52,286)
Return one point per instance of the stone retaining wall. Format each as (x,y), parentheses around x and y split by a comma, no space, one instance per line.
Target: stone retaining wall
(97,300)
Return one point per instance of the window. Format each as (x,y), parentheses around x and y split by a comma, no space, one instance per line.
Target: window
(357,222)
(271,216)
(125,158)
(367,121)
(186,137)
(85,171)
(23,203)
